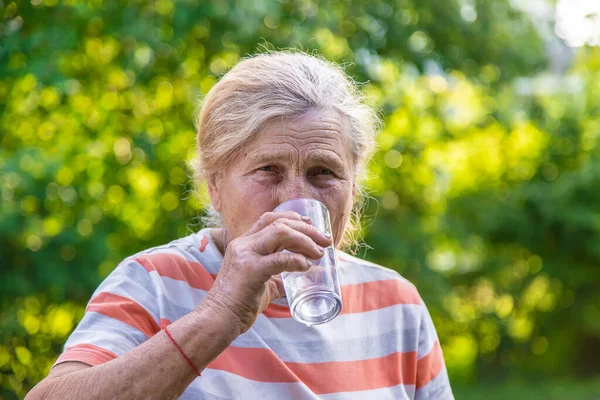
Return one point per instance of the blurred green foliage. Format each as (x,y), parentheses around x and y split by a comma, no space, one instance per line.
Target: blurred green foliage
(547,390)
(486,199)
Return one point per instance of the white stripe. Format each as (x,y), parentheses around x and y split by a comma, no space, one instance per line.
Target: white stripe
(105,332)
(353,274)
(398,392)
(425,344)
(436,389)
(428,335)
(348,326)
(232,386)
(354,270)
(192,393)
(179,293)
(193,239)
(340,349)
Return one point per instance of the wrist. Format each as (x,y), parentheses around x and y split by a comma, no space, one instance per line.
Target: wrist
(219,315)
(201,335)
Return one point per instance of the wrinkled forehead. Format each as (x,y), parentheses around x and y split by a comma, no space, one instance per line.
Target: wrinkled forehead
(317,129)
(323,120)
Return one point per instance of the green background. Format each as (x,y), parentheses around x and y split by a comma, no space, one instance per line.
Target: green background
(485,196)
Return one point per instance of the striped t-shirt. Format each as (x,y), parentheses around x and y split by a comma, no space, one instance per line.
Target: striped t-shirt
(383,345)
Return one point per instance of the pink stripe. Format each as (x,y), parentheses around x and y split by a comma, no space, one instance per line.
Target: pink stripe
(324,377)
(87,354)
(430,366)
(176,267)
(364,297)
(203,243)
(125,310)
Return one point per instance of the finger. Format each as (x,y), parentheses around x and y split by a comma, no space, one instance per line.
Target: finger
(279,232)
(276,263)
(318,236)
(280,235)
(269,217)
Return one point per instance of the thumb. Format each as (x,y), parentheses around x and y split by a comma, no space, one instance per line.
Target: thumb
(279,284)
(274,288)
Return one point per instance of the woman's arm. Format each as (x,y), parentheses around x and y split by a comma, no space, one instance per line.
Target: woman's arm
(247,282)
(153,370)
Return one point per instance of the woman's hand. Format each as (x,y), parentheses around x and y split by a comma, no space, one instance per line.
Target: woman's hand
(249,277)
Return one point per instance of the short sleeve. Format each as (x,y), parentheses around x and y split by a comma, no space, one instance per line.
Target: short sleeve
(432,377)
(120,316)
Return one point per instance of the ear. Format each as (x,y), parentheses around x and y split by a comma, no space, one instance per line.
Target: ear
(214,192)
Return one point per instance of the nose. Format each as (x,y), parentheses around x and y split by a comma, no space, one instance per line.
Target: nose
(296,187)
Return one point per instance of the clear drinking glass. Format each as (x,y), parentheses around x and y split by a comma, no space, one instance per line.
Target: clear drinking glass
(314,296)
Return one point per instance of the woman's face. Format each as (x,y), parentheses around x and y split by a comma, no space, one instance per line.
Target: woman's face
(302,157)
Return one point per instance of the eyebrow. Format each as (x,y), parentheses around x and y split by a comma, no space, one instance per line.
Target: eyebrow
(325,158)
(320,157)
(266,157)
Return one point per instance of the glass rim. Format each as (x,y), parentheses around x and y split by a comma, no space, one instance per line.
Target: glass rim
(301,199)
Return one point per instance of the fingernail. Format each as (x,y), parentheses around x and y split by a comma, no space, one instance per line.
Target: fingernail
(327,234)
(309,262)
(320,249)
(305,218)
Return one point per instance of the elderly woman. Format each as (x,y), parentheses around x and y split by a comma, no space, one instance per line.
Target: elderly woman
(205,317)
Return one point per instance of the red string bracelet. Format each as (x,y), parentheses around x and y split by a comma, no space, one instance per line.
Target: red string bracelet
(181,351)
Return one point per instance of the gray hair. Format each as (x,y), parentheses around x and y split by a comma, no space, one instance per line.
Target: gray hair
(273,85)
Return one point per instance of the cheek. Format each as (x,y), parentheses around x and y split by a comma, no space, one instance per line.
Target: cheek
(339,203)
(245,202)
(342,222)
(261,196)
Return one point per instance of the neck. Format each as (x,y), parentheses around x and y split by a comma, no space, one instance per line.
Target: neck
(219,237)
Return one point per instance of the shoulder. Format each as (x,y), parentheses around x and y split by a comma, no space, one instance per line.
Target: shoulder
(192,243)
(380,281)
(368,270)
(178,259)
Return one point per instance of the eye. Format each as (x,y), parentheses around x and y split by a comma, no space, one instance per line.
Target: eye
(267,168)
(322,171)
